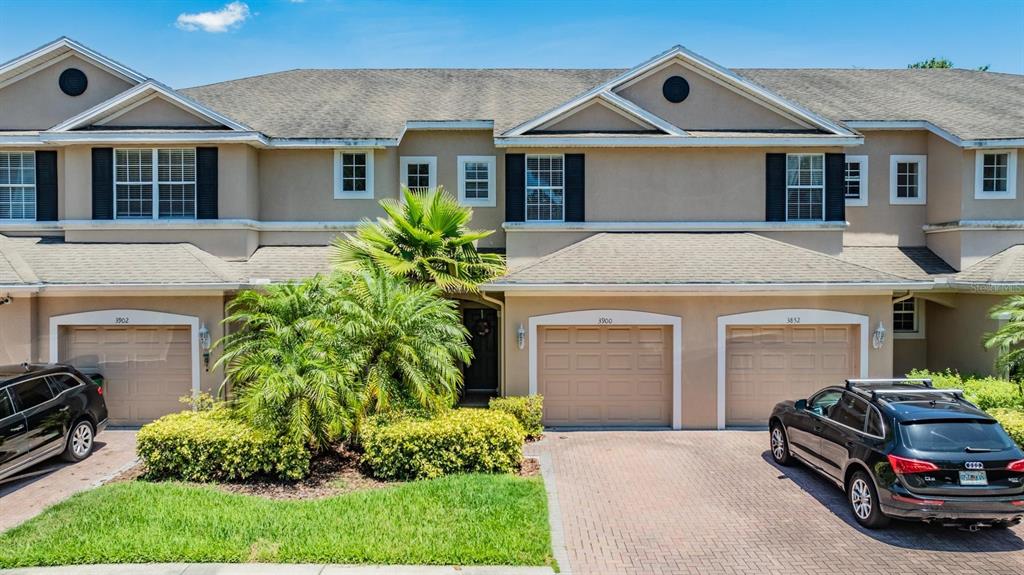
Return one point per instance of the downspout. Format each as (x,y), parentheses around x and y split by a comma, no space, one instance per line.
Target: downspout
(501,338)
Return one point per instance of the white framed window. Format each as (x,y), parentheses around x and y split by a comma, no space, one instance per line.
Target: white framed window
(154,183)
(908,319)
(17,185)
(476,181)
(908,179)
(419,173)
(995,174)
(353,174)
(545,188)
(856,180)
(805,187)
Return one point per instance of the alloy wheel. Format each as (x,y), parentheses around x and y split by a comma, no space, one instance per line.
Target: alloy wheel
(860,498)
(778,443)
(81,440)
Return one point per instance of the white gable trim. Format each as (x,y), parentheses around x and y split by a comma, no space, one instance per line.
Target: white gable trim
(622,107)
(704,66)
(65,43)
(111,108)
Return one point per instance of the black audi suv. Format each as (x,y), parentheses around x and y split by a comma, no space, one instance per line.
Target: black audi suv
(45,411)
(903,449)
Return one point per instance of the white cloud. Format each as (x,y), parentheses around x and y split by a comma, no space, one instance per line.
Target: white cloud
(230,16)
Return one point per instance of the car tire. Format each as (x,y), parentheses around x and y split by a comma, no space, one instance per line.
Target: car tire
(863,499)
(779,444)
(80,441)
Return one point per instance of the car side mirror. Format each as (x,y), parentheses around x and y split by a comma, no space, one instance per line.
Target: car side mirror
(801,404)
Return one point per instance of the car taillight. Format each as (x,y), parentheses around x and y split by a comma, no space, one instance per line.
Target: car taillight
(1016,466)
(903,466)
(99,389)
(1017,503)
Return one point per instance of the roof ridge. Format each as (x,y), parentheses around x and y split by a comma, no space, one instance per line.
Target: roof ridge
(18,263)
(567,249)
(204,259)
(823,254)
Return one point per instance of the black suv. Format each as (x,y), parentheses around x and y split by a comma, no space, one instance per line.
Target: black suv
(47,410)
(901,448)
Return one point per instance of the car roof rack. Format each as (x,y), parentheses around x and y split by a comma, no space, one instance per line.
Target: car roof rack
(915,381)
(919,386)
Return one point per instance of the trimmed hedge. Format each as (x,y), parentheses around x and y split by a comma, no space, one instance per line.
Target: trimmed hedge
(528,410)
(213,446)
(457,441)
(985,392)
(1012,421)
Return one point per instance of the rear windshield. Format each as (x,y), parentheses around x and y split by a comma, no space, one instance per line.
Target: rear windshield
(955,436)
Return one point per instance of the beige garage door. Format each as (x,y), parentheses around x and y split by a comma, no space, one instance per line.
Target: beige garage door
(768,364)
(146,368)
(597,375)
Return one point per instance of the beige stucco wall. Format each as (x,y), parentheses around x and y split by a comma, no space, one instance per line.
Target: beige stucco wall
(710,106)
(964,248)
(159,113)
(700,333)
(17,330)
(37,103)
(596,117)
(524,248)
(238,181)
(209,310)
(987,209)
(955,334)
(948,174)
(235,244)
(908,354)
(880,223)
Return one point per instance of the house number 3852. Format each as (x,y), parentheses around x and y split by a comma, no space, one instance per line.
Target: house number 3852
(794,319)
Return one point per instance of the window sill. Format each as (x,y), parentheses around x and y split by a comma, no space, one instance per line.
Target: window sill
(907,201)
(477,203)
(907,335)
(982,195)
(861,203)
(353,195)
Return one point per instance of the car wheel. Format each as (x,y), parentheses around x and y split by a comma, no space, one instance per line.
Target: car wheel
(779,445)
(863,498)
(80,441)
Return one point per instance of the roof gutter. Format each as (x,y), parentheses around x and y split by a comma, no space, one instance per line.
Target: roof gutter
(944,134)
(705,287)
(657,141)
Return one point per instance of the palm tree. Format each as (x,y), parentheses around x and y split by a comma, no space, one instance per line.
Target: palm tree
(285,365)
(401,341)
(425,239)
(1008,338)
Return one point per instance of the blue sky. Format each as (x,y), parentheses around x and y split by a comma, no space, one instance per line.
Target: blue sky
(185,43)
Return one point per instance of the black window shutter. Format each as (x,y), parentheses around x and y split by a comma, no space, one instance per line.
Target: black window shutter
(46,186)
(206,183)
(575,188)
(515,187)
(103,183)
(775,188)
(835,187)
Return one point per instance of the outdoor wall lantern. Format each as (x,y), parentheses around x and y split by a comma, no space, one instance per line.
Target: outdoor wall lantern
(521,336)
(205,343)
(878,337)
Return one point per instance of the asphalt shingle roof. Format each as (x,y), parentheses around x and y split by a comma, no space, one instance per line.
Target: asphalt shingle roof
(690,258)
(916,263)
(287,263)
(1006,266)
(377,103)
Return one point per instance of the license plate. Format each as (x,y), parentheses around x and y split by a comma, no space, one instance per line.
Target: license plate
(973,478)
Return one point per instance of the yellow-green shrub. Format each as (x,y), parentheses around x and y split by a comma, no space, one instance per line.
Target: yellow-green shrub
(985,392)
(528,410)
(214,446)
(457,441)
(1012,421)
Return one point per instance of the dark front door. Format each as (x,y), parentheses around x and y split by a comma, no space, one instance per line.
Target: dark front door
(481,376)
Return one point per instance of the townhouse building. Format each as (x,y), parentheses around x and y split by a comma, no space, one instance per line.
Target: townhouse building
(687,244)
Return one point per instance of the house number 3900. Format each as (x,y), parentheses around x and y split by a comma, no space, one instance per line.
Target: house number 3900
(604,320)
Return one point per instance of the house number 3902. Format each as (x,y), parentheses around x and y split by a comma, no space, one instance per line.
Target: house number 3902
(604,320)
(121,320)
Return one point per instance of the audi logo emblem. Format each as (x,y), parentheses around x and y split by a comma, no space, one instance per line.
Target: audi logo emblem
(974,465)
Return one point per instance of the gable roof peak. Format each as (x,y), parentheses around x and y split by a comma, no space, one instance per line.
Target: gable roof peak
(38,58)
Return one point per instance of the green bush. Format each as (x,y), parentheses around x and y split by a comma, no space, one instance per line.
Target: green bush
(457,441)
(1012,421)
(528,410)
(214,446)
(985,392)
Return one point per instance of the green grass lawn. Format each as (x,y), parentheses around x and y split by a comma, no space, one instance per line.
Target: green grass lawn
(459,520)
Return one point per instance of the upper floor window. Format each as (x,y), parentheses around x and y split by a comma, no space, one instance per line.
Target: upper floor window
(805,187)
(476,181)
(419,173)
(908,177)
(353,174)
(995,175)
(908,318)
(166,191)
(856,191)
(545,188)
(17,186)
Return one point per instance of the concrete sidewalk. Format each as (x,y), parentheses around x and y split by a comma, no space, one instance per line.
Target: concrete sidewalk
(274,569)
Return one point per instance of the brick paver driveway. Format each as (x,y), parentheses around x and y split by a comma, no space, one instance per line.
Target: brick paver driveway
(712,502)
(54,480)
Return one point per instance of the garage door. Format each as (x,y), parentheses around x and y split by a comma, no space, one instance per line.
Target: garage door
(147,368)
(768,364)
(597,375)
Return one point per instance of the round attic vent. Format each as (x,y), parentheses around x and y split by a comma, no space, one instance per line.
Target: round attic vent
(73,82)
(675,89)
